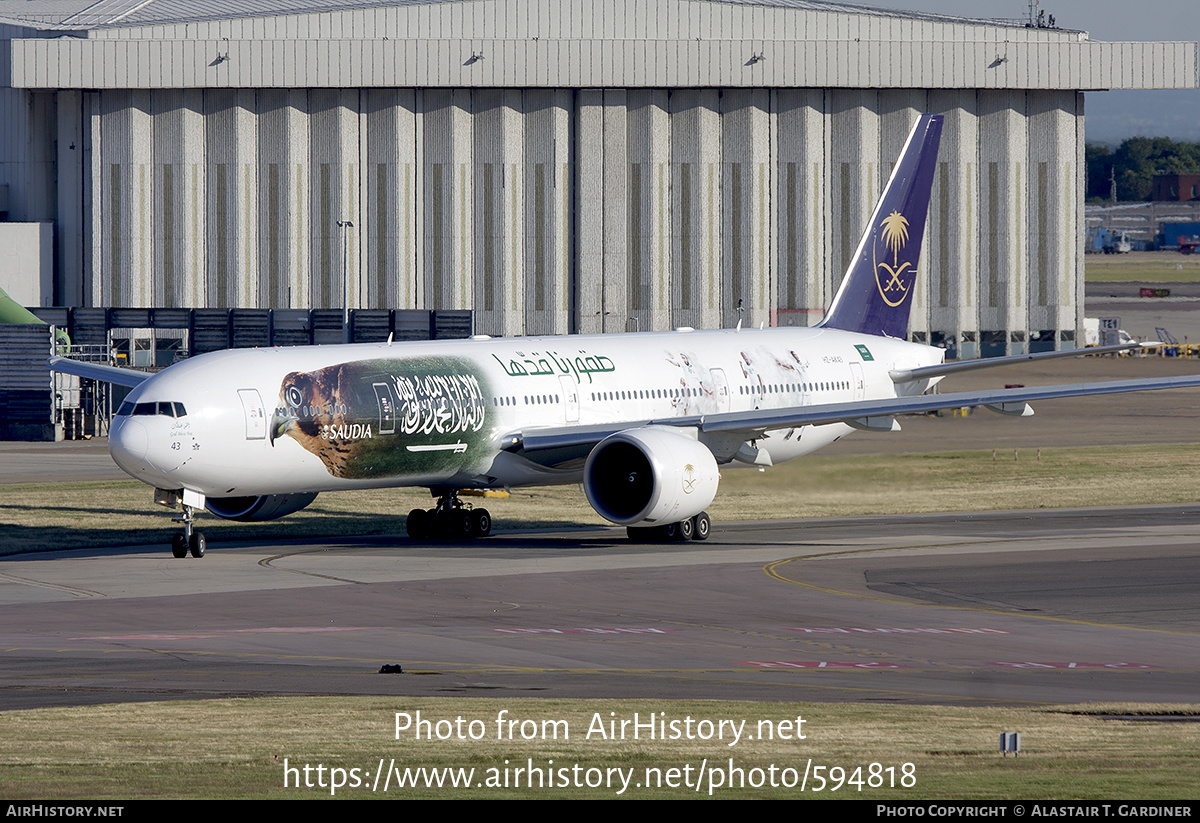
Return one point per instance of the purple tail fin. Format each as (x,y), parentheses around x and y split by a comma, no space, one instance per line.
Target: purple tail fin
(876,293)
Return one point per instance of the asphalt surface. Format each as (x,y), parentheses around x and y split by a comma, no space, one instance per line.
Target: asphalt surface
(1044,606)
(1010,607)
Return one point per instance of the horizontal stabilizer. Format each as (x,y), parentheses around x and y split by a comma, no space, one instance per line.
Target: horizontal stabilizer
(943,369)
(97,371)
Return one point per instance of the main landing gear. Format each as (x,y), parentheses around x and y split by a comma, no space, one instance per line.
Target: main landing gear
(450,519)
(694,528)
(190,540)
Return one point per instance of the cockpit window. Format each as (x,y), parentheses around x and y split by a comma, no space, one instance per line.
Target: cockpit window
(162,407)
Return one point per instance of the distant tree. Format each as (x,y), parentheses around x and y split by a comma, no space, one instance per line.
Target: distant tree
(1134,164)
(1099,166)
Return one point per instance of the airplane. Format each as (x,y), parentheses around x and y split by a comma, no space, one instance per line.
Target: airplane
(645,421)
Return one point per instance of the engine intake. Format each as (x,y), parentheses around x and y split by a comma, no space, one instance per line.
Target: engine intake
(652,475)
(264,507)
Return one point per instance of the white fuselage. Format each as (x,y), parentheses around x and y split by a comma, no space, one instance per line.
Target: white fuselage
(319,418)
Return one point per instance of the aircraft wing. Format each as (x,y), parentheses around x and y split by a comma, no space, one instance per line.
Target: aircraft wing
(865,414)
(942,369)
(98,371)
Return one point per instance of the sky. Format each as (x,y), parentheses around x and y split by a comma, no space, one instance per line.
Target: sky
(1110,116)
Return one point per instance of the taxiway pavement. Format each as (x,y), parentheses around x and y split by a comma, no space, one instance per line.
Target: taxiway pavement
(1048,606)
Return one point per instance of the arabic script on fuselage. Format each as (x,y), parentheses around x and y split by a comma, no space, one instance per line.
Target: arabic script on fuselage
(537,364)
(440,403)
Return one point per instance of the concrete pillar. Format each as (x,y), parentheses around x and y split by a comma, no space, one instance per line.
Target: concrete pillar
(1004,257)
(802,213)
(952,244)
(284,204)
(746,272)
(696,232)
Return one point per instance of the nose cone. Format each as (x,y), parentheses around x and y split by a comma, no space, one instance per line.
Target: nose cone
(127,443)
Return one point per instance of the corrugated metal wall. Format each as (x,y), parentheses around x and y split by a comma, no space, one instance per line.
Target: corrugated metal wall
(597,19)
(527,61)
(576,44)
(549,211)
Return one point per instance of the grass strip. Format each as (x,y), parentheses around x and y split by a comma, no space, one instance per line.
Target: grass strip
(237,749)
(1162,268)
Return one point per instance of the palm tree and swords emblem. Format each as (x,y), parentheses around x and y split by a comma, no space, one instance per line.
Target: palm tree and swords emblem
(689,478)
(894,232)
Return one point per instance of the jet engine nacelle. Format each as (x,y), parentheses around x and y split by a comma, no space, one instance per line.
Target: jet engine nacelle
(653,474)
(265,507)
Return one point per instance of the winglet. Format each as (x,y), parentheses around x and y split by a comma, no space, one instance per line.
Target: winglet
(876,293)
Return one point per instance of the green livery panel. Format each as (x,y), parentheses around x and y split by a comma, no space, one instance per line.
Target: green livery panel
(387,418)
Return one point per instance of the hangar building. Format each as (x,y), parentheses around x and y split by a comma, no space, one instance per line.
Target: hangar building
(555,165)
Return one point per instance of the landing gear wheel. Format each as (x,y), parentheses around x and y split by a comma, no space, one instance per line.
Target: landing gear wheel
(189,539)
(450,519)
(417,524)
(669,533)
(702,526)
(196,544)
(462,524)
(481,523)
(686,529)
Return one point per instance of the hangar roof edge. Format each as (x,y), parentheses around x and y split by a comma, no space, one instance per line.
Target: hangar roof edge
(85,15)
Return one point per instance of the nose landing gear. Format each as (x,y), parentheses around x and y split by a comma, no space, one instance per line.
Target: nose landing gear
(190,540)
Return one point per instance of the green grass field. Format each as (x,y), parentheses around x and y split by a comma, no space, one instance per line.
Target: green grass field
(238,748)
(1142,267)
